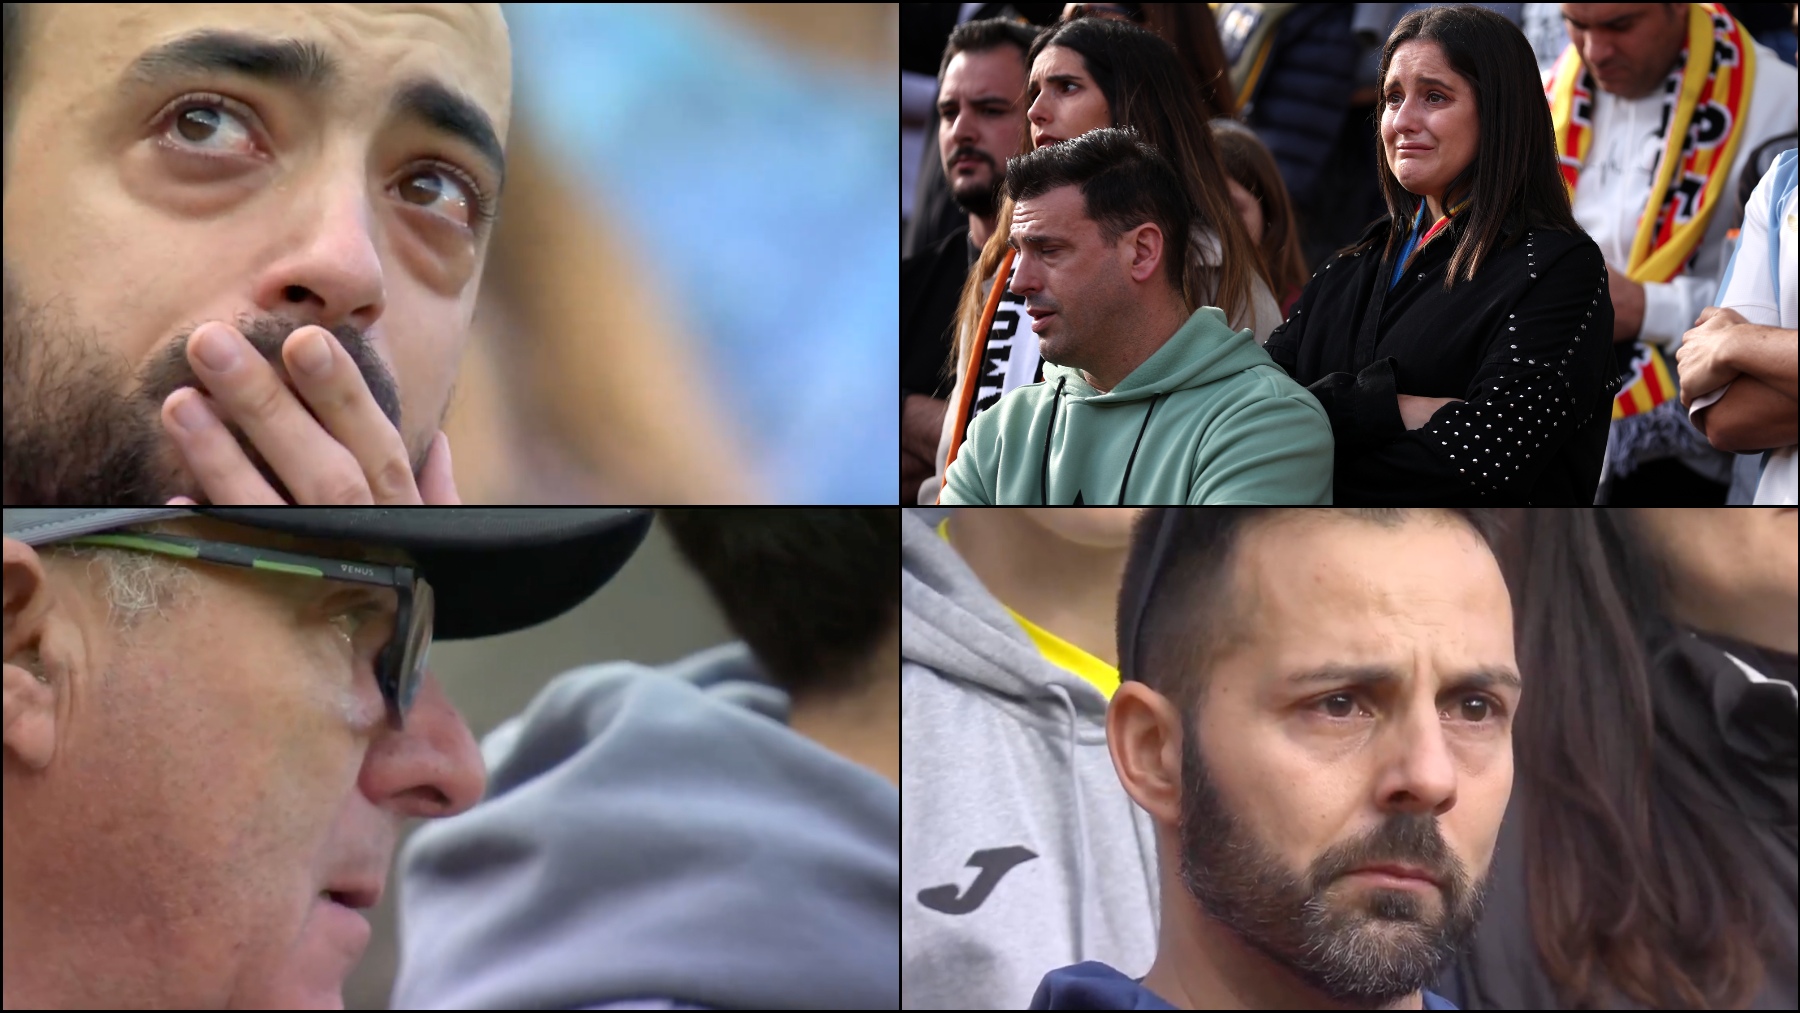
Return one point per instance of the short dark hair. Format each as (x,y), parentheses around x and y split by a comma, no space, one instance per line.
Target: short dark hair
(988,33)
(1124,181)
(1177,610)
(811,591)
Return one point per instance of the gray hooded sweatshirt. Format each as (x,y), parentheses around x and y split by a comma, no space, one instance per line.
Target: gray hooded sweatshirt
(1020,852)
(657,839)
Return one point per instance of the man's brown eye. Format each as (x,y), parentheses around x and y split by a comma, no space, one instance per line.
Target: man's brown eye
(443,190)
(208,125)
(198,125)
(422,189)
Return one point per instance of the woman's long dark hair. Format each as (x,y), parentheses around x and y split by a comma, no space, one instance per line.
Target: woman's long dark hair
(1513,183)
(1194,32)
(1636,883)
(1145,88)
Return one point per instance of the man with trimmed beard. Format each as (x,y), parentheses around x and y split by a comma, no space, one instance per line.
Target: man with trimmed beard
(981,124)
(1316,713)
(243,244)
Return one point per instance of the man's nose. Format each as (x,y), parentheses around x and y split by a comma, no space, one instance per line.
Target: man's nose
(1025,279)
(331,274)
(962,127)
(1421,773)
(431,768)
(1594,50)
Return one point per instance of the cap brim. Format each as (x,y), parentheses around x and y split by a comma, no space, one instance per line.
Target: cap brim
(495,570)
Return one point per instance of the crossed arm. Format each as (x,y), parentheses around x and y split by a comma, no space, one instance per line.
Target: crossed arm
(1760,410)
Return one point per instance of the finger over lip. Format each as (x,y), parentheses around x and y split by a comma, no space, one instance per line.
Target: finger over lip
(169,369)
(203,443)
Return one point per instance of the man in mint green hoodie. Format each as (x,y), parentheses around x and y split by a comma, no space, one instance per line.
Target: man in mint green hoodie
(1143,400)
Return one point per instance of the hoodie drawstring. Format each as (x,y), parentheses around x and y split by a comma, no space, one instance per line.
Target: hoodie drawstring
(1080,851)
(1044,469)
(1134,448)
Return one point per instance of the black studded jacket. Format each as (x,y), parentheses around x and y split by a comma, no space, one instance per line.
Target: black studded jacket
(1526,345)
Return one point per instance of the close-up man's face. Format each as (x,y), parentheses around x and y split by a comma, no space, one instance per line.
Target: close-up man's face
(1070,275)
(1629,48)
(1364,719)
(981,123)
(196,796)
(267,166)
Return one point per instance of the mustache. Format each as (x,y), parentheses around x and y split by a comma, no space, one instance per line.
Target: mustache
(169,371)
(966,150)
(1409,839)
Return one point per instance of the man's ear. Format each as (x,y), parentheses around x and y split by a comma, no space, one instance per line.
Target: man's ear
(1142,250)
(30,710)
(1143,733)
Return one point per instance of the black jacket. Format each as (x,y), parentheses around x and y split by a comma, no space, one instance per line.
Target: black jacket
(930,283)
(1526,345)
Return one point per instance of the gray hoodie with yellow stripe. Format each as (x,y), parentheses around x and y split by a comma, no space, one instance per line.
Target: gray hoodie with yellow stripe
(1020,853)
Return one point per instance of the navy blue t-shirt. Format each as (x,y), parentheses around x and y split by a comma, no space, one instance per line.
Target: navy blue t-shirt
(1093,985)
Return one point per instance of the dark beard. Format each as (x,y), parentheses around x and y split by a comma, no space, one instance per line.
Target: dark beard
(1366,953)
(983,201)
(72,439)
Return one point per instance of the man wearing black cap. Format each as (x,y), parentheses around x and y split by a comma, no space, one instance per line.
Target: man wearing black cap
(215,721)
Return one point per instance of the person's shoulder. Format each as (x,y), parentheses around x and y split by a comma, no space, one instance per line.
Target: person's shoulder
(1774,97)
(1368,242)
(1364,252)
(1268,386)
(1561,249)
(586,704)
(1778,183)
(1093,985)
(1772,69)
(1268,416)
(925,260)
(1017,403)
(1434,1001)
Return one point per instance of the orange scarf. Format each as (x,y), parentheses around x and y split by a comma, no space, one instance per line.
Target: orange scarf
(963,411)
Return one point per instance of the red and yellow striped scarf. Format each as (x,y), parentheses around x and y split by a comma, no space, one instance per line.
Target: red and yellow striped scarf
(1703,126)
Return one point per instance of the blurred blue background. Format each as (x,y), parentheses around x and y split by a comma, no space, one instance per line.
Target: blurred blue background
(751,173)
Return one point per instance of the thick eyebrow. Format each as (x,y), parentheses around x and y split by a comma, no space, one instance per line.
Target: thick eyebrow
(278,61)
(1618,24)
(1013,239)
(1367,675)
(306,66)
(979,100)
(444,110)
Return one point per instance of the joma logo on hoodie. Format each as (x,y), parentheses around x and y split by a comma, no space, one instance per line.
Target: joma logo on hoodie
(994,864)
